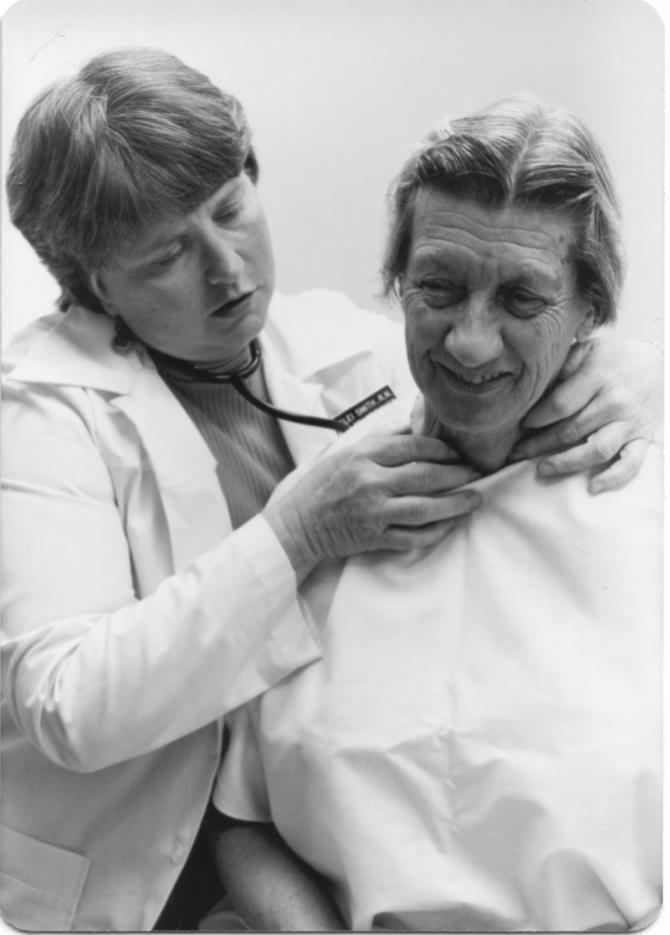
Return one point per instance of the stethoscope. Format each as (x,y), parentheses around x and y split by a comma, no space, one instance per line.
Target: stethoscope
(196,373)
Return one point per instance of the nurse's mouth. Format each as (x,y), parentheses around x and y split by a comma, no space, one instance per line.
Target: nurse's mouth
(233,305)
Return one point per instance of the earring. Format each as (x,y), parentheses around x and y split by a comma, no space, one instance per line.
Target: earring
(123,339)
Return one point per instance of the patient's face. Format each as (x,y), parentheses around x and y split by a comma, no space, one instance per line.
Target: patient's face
(491,308)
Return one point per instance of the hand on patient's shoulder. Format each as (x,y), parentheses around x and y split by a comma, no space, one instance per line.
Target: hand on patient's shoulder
(602,415)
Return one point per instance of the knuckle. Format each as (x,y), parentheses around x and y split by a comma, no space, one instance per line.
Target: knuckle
(420,513)
(562,402)
(620,398)
(569,433)
(424,476)
(363,475)
(602,449)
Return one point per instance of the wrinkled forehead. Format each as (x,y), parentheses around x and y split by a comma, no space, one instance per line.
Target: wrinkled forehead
(457,232)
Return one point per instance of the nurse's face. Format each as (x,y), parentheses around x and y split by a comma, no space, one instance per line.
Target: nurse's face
(197,286)
(491,308)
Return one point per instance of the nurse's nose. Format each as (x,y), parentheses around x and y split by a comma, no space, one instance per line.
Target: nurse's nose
(223,264)
(474,337)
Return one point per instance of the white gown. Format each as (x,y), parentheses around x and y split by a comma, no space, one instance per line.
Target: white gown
(480,747)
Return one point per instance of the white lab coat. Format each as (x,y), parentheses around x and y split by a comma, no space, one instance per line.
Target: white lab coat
(133,617)
(479,749)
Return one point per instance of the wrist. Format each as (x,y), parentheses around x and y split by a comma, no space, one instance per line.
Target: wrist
(292,541)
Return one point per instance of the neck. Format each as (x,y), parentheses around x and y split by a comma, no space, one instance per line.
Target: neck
(228,365)
(243,365)
(486,452)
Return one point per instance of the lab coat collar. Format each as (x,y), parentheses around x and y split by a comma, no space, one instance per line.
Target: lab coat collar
(294,395)
(296,330)
(76,350)
(295,333)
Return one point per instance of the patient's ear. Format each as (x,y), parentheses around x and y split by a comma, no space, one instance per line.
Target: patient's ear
(588,323)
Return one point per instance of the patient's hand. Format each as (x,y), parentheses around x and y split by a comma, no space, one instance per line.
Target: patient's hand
(605,410)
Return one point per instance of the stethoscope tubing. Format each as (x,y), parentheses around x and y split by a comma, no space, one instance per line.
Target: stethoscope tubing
(198,374)
(316,421)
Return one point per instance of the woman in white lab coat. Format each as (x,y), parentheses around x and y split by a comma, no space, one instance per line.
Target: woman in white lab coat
(148,588)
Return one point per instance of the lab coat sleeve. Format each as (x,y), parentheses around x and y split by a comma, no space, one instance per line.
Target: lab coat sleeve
(240,790)
(91,674)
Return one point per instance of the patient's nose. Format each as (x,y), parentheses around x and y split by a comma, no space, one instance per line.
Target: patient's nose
(474,337)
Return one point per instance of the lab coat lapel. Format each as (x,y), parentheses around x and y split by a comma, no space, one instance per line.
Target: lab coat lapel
(289,392)
(76,350)
(196,511)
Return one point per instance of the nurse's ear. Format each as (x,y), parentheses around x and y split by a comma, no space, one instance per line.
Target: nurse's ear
(97,285)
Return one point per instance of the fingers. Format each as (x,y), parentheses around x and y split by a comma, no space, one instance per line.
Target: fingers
(565,400)
(393,450)
(424,477)
(406,534)
(626,466)
(602,446)
(422,511)
(566,434)
(401,538)
(541,443)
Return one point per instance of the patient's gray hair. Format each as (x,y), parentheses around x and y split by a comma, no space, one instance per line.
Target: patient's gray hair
(522,152)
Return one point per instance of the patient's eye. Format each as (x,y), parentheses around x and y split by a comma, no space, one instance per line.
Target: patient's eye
(439,292)
(524,303)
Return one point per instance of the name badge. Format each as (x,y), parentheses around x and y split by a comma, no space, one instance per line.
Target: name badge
(366,406)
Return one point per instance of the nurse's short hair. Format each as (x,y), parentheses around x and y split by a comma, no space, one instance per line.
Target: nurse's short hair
(525,153)
(135,135)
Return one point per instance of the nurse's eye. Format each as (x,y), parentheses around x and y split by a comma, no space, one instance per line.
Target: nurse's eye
(170,256)
(226,214)
(522,303)
(439,292)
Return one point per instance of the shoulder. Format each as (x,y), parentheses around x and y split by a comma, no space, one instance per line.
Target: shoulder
(561,517)
(60,378)
(25,339)
(73,349)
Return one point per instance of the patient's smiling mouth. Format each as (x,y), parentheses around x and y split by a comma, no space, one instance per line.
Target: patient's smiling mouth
(475,382)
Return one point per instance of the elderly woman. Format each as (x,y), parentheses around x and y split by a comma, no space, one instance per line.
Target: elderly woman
(479,748)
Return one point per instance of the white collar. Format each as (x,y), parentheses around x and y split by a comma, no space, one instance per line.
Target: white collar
(75,348)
